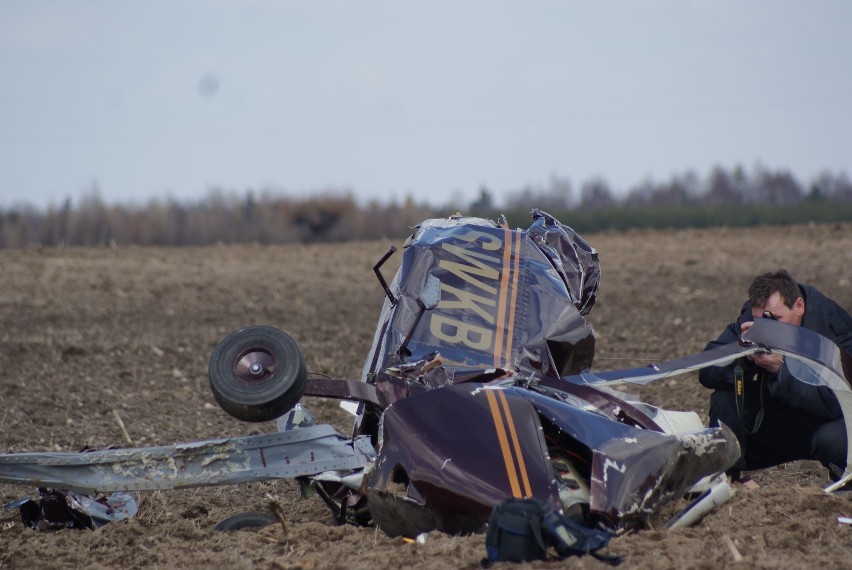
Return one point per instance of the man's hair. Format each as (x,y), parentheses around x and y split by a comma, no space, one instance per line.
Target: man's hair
(765,284)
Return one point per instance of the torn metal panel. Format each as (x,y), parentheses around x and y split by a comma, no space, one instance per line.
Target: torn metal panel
(632,470)
(574,259)
(633,475)
(428,469)
(280,455)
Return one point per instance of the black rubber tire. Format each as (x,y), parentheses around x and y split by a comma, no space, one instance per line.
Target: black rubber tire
(270,390)
(240,521)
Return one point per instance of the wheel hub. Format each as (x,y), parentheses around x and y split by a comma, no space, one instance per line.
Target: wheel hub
(254,365)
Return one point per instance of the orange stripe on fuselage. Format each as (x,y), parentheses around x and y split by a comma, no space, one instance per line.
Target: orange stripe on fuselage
(505,323)
(513,300)
(522,468)
(502,311)
(504,444)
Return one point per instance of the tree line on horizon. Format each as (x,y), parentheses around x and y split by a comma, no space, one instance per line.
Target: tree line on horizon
(722,198)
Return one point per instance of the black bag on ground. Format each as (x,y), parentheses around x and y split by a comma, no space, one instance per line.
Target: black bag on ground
(520,530)
(514,531)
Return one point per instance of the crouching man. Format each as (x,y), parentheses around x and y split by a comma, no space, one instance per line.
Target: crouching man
(775,417)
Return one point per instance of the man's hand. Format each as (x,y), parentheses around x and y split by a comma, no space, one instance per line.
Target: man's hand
(769,361)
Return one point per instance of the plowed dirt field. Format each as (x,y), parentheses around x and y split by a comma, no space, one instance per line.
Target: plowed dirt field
(89,335)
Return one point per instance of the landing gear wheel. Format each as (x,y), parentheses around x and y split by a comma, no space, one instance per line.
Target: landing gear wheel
(257,373)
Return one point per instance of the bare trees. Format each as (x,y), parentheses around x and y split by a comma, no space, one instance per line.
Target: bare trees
(220,217)
(724,196)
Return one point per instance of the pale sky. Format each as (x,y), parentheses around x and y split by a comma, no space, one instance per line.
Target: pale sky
(430,99)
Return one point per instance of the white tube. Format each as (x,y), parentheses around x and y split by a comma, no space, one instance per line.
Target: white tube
(709,500)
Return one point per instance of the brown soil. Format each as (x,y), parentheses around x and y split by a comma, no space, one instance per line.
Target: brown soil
(86,332)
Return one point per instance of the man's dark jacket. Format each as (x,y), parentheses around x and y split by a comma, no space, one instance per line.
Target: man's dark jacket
(823,316)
